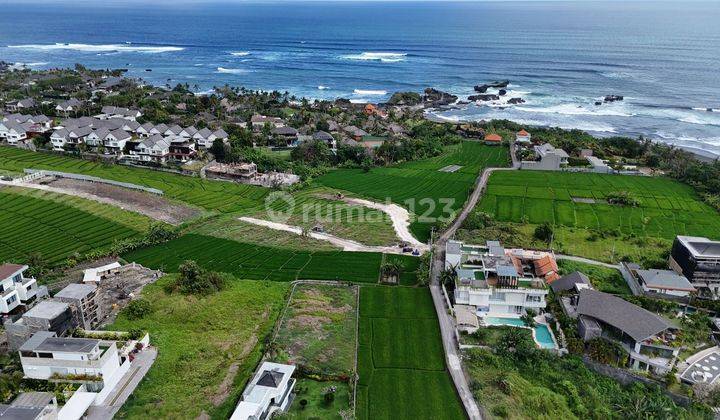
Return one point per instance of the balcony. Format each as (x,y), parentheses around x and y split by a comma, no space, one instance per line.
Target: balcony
(27,288)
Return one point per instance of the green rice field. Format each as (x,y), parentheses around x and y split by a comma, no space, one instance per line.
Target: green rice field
(666,207)
(54,230)
(401,363)
(256,262)
(408,184)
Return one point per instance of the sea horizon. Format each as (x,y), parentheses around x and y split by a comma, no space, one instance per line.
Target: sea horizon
(561,58)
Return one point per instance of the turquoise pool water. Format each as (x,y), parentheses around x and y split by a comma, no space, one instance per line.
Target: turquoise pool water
(543,336)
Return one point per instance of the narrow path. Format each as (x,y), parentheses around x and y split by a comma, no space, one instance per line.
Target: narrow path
(400,219)
(586,261)
(446,320)
(345,244)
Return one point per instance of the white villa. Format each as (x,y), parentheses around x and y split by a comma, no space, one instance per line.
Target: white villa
(549,159)
(269,391)
(15,288)
(45,356)
(497,282)
(522,136)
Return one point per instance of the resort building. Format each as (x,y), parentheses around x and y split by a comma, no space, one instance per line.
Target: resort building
(698,259)
(497,282)
(648,338)
(15,288)
(259,121)
(493,139)
(86,299)
(269,391)
(549,158)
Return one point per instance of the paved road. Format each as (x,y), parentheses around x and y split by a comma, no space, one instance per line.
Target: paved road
(447,322)
(586,261)
(125,386)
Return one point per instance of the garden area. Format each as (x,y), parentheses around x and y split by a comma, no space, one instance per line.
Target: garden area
(604,279)
(422,180)
(52,229)
(319,400)
(515,380)
(257,262)
(401,361)
(208,345)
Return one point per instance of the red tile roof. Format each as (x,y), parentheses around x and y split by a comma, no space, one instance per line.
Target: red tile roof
(545,265)
(493,137)
(523,133)
(7,270)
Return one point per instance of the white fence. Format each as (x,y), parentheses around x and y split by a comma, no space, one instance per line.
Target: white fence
(33,172)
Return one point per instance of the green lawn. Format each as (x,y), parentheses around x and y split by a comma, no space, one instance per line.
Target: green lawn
(604,279)
(201,342)
(261,263)
(57,228)
(401,362)
(316,408)
(408,184)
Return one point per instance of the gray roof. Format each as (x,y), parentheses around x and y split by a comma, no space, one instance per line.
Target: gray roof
(270,378)
(175,129)
(68,345)
(76,291)
(700,247)
(19,413)
(664,279)
(355,131)
(633,320)
(47,309)
(506,270)
(33,399)
(453,247)
(35,340)
(285,131)
(120,134)
(568,282)
(323,136)
(220,133)
(203,133)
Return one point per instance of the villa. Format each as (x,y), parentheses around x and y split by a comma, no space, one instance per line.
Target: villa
(47,315)
(497,282)
(666,282)
(648,338)
(522,136)
(259,121)
(15,288)
(698,259)
(269,391)
(493,139)
(66,107)
(549,159)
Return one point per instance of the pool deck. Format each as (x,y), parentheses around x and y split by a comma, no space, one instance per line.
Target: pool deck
(540,320)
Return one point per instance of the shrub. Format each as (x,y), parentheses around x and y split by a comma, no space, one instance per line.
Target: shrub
(303,404)
(138,309)
(544,232)
(194,280)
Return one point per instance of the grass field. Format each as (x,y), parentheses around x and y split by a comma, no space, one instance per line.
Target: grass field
(410,183)
(202,342)
(45,224)
(604,279)
(262,263)
(317,408)
(401,362)
(666,207)
(318,330)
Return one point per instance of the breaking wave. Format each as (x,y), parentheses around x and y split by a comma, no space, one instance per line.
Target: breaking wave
(231,71)
(385,57)
(240,53)
(369,92)
(98,48)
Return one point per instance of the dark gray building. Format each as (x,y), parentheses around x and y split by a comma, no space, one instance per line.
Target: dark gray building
(698,259)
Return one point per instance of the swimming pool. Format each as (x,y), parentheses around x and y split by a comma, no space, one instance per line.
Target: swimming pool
(542,335)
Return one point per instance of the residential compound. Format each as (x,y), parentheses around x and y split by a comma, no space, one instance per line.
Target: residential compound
(698,259)
(549,158)
(500,282)
(649,340)
(269,391)
(15,288)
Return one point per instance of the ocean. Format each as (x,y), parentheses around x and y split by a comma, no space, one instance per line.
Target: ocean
(560,57)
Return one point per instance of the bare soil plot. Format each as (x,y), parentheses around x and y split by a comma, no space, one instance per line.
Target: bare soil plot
(157,207)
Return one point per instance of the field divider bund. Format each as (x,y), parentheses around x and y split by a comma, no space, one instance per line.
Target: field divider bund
(94,179)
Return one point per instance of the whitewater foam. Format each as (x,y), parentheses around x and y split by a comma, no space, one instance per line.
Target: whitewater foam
(240,53)
(321,87)
(574,109)
(98,48)
(231,71)
(369,92)
(384,57)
